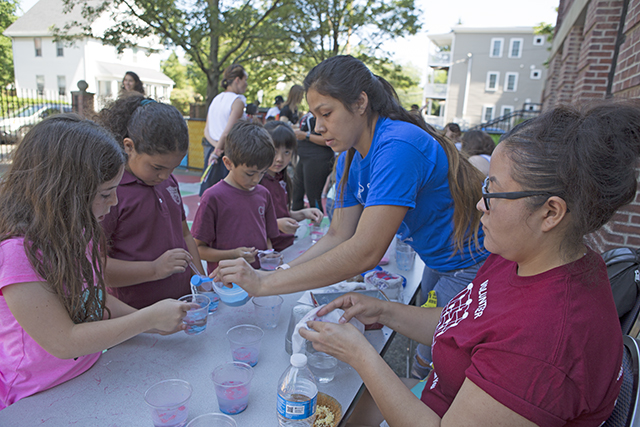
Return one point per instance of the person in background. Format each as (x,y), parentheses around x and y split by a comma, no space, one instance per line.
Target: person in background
(275,110)
(452,131)
(415,109)
(131,83)
(534,339)
(56,317)
(478,146)
(225,110)
(289,111)
(277,181)
(236,216)
(150,245)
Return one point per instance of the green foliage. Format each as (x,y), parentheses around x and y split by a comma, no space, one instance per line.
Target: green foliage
(7,17)
(181,99)
(177,72)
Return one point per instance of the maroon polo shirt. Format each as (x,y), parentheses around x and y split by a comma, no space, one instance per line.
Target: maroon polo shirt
(229,218)
(277,187)
(147,222)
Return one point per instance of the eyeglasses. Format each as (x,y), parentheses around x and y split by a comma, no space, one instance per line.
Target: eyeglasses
(513,195)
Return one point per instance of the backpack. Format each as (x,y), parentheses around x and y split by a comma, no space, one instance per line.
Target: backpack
(623,269)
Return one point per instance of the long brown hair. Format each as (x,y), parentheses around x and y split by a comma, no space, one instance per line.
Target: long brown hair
(47,197)
(345,78)
(295,97)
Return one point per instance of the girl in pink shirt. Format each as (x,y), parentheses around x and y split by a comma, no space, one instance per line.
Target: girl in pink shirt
(55,316)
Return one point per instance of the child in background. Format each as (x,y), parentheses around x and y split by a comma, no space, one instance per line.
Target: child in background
(150,244)
(277,181)
(236,216)
(55,316)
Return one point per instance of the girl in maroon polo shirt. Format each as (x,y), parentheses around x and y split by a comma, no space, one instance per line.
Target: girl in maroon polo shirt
(277,181)
(150,244)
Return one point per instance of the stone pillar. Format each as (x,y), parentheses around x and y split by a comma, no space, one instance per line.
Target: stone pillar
(82,101)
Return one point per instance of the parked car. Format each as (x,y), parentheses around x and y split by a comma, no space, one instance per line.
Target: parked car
(14,127)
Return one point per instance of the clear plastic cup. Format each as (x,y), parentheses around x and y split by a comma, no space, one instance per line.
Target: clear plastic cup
(196,318)
(232,382)
(267,310)
(169,402)
(270,260)
(212,420)
(405,256)
(323,366)
(245,341)
(316,232)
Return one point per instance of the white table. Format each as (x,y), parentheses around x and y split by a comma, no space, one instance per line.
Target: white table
(110,394)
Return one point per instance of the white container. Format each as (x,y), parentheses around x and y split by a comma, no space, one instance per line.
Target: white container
(297,394)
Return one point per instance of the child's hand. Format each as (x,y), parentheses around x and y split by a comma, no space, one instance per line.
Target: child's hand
(171,262)
(247,253)
(288,225)
(313,214)
(167,316)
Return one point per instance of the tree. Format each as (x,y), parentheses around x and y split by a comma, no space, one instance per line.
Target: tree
(7,17)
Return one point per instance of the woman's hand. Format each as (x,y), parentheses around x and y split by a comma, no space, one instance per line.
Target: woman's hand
(366,309)
(167,316)
(342,341)
(247,253)
(171,262)
(313,214)
(288,225)
(238,271)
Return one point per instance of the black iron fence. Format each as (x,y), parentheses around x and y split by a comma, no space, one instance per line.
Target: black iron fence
(505,123)
(20,110)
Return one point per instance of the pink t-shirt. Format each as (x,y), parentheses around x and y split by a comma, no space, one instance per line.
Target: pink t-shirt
(229,218)
(277,187)
(25,367)
(548,347)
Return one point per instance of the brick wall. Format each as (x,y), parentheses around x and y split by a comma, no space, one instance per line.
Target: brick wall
(580,69)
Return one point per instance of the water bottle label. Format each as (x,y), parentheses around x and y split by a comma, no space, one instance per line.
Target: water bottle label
(296,410)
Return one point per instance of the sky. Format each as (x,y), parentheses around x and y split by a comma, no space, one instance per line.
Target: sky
(438,16)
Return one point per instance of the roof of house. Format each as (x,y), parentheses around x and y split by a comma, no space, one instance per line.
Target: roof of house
(38,21)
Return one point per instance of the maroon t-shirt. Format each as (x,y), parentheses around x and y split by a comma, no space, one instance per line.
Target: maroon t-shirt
(147,222)
(229,218)
(277,187)
(548,347)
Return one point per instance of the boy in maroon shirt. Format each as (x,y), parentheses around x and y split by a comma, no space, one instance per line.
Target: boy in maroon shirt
(236,216)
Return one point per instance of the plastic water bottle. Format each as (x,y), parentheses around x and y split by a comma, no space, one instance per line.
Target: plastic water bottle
(297,394)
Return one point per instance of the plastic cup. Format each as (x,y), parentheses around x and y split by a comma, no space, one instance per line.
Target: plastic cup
(214,301)
(212,420)
(234,297)
(405,256)
(270,260)
(232,381)
(169,400)
(317,231)
(323,366)
(244,341)
(267,310)
(196,318)
(297,313)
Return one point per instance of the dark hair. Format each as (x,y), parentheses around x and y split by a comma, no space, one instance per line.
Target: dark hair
(584,154)
(138,86)
(454,128)
(231,73)
(295,96)
(47,197)
(249,144)
(251,109)
(476,142)
(283,137)
(345,78)
(154,128)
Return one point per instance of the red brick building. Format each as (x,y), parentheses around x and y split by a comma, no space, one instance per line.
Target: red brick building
(596,54)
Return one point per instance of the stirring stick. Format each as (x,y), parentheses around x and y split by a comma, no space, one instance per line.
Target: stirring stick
(195,270)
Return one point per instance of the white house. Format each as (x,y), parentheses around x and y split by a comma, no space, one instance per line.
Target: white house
(41,64)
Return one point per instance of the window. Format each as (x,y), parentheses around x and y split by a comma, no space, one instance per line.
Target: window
(492,80)
(536,74)
(37,43)
(62,85)
(515,48)
(59,49)
(487,113)
(511,82)
(496,48)
(506,110)
(538,40)
(104,88)
(40,84)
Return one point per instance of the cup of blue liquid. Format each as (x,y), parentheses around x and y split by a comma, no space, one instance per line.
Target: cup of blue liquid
(234,296)
(196,318)
(201,283)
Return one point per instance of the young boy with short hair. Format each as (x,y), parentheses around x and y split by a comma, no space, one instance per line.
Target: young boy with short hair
(236,216)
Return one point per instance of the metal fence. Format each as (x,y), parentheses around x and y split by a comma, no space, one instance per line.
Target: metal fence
(20,110)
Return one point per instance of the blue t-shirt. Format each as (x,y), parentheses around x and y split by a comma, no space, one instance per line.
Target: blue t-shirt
(406,166)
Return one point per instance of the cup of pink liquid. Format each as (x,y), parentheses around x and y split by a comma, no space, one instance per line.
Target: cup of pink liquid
(169,402)
(232,381)
(244,341)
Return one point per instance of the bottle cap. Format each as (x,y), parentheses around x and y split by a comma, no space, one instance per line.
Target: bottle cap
(298,360)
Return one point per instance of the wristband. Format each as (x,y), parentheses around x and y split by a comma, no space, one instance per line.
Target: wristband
(308,134)
(283,267)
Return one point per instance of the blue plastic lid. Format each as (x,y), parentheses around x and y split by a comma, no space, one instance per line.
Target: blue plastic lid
(199,280)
